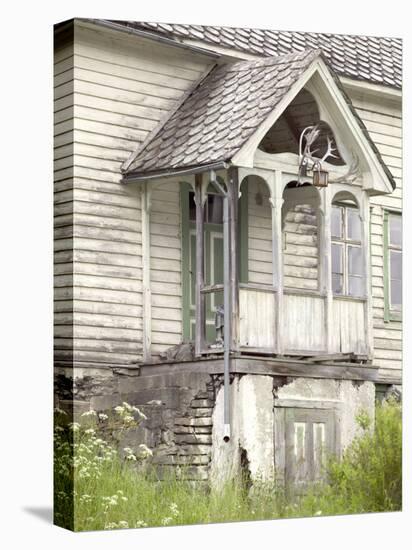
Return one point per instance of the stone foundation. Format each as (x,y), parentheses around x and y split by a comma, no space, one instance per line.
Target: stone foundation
(184,426)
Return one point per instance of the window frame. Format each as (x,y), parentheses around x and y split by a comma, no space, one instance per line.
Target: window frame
(345,243)
(390,314)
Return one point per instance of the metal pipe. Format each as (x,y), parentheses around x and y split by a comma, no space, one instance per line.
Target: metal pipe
(227,330)
(227,321)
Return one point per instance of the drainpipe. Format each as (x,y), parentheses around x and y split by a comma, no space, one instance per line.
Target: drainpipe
(226,305)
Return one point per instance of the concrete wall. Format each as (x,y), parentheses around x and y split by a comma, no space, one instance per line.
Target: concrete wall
(253,398)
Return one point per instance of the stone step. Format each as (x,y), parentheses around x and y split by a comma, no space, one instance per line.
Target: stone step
(187,421)
(181,460)
(196,403)
(202,412)
(195,439)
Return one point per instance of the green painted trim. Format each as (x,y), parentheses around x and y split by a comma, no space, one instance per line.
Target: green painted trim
(370,250)
(186,225)
(243,234)
(185,233)
(388,314)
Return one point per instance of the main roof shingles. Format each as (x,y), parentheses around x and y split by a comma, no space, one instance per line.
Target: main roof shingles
(221,114)
(368,58)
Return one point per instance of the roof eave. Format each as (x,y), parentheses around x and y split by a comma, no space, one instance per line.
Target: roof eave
(134,177)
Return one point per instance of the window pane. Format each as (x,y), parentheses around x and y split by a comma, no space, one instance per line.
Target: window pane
(354,225)
(396,294)
(336,222)
(192,207)
(214,209)
(396,264)
(355,286)
(355,260)
(395,230)
(337,264)
(337,283)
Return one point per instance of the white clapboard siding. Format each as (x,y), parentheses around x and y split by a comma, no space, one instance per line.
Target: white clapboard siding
(383,119)
(116,88)
(300,252)
(260,233)
(63,158)
(165,264)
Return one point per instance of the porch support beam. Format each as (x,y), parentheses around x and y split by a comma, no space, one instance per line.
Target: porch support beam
(200,197)
(368,306)
(145,198)
(325,264)
(276,202)
(233,200)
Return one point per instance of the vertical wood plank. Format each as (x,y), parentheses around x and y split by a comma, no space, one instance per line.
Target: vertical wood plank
(276,203)
(200,267)
(146,279)
(326,265)
(368,311)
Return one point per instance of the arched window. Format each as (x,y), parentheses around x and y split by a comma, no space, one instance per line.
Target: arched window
(347,249)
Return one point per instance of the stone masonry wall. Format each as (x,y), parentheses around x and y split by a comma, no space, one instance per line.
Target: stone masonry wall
(178,407)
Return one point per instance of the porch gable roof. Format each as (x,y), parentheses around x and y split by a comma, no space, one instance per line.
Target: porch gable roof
(223,112)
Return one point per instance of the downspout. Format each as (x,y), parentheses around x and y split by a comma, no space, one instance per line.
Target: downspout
(226,305)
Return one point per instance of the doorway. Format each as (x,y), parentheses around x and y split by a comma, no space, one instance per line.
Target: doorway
(213,249)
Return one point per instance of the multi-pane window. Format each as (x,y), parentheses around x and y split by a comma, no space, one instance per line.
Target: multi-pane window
(393,264)
(347,255)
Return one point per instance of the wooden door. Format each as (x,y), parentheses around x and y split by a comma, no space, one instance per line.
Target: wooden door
(309,436)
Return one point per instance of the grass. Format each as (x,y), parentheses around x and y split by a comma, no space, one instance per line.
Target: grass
(115,490)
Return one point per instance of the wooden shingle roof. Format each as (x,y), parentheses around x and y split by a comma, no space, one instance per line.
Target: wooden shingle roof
(221,113)
(368,58)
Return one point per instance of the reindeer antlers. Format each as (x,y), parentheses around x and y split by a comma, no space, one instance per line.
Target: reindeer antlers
(310,140)
(308,159)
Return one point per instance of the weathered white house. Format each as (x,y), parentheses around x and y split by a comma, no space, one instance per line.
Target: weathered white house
(204,271)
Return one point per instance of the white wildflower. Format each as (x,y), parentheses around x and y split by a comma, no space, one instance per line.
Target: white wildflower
(57,410)
(111,525)
(166,521)
(318,513)
(140,523)
(123,525)
(89,431)
(74,426)
(103,416)
(145,451)
(174,510)
(89,413)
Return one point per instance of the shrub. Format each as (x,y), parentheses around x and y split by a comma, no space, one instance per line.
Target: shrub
(369,476)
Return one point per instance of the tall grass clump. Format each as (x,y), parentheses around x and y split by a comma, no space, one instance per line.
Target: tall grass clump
(101,486)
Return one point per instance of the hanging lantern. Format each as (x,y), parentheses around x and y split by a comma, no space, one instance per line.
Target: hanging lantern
(320,177)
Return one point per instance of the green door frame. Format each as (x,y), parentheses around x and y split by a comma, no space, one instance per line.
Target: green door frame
(243,232)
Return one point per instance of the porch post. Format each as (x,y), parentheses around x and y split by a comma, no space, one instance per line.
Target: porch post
(325,265)
(199,296)
(233,199)
(368,311)
(145,201)
(276,202)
